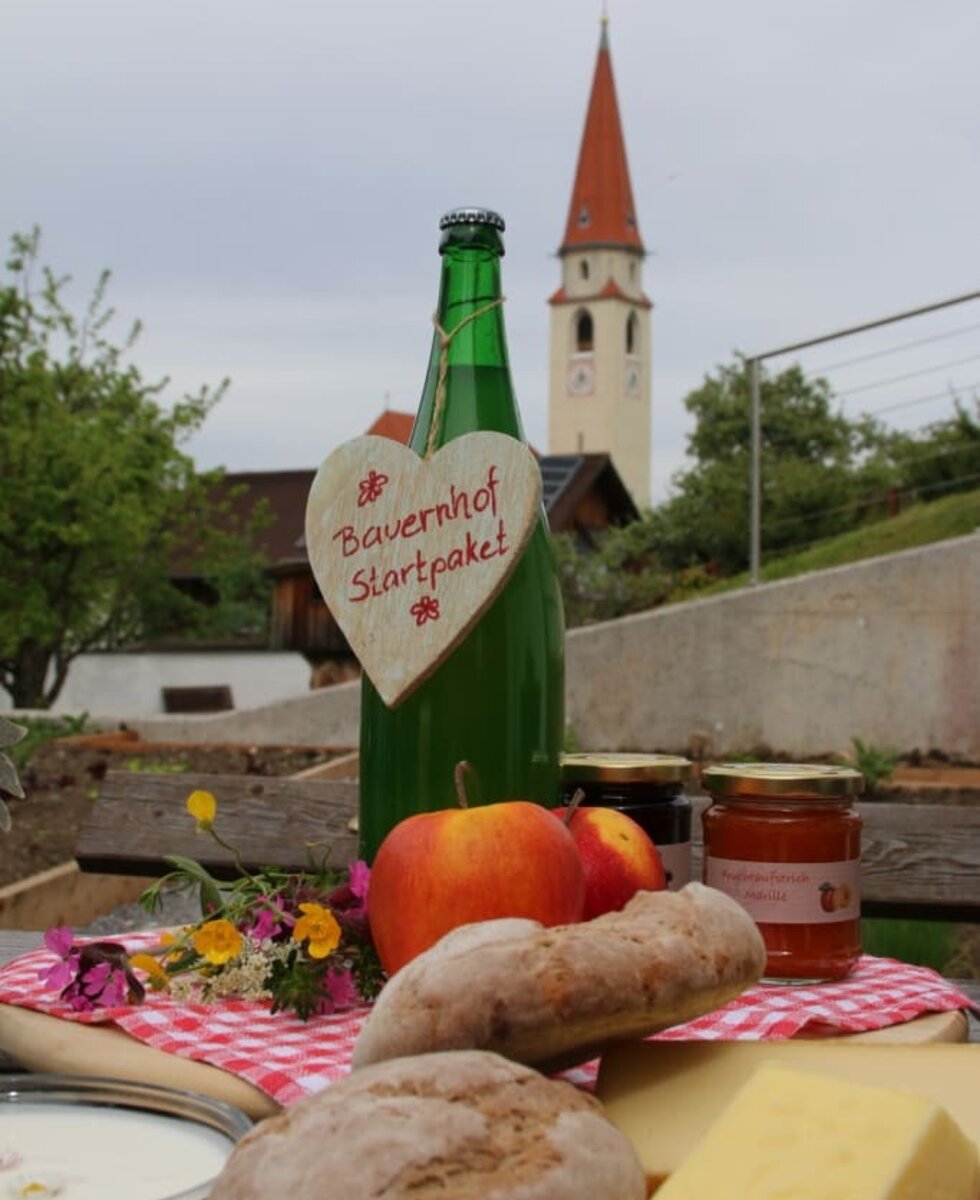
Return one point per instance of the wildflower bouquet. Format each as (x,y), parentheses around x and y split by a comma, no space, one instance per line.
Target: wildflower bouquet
(299,940)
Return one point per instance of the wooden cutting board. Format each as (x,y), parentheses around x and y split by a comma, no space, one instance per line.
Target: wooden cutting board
(48,1044)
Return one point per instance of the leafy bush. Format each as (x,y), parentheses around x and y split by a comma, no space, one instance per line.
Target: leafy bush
(874,763)
(44,729)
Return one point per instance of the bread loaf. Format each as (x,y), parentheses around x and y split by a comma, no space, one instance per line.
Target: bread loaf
(553,997)
(459,1126)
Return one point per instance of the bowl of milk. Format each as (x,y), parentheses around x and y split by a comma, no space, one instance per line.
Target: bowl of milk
(84,1138)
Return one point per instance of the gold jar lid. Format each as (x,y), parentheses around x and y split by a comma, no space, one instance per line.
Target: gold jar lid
(817,781)
(625,768)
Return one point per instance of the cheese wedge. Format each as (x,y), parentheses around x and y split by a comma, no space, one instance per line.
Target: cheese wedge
(795,1135)
(664,1095)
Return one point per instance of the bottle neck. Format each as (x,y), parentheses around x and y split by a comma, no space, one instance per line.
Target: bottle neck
(470,282)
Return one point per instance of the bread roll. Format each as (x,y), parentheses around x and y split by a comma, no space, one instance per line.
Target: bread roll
(466,1125)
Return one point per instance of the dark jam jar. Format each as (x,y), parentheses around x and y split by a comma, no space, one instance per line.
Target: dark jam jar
(784,840)
(647,787)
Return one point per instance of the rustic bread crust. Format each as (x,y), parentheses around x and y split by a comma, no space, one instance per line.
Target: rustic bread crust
(461,1126)
(554,997)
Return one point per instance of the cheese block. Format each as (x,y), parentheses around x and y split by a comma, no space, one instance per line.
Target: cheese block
(664,1095)
(797,1134)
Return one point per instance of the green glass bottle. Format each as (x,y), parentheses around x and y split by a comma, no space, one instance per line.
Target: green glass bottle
(497,702)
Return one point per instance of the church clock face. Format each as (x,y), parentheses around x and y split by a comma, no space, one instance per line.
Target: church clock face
(581,379)
(632,380)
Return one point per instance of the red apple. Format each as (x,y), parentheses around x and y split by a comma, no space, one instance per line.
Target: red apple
(437,870)
(618,857)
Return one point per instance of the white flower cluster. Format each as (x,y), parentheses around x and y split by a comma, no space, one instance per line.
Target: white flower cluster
(240,979)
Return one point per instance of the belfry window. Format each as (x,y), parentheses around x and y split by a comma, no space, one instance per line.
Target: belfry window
(631,334)
(583,332)
(583,268)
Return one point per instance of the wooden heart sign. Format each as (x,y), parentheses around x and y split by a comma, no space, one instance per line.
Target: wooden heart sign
(409,552)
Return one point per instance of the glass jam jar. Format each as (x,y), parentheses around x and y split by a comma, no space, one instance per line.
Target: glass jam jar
(784,840)
(647,787)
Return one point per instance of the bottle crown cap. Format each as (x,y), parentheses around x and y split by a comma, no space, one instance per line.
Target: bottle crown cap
(472,216)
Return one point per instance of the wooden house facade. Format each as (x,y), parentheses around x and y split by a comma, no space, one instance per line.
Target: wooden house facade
(583,494)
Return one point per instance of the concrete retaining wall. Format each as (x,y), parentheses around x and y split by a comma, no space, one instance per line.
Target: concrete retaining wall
(887,650)
(326,717)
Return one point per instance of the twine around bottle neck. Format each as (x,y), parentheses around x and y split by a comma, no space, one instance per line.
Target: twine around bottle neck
(445,339)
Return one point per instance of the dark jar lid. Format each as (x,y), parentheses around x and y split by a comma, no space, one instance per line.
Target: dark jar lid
(471,215)
(782,781)
(625,768)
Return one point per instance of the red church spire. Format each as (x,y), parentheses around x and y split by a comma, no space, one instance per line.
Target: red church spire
(602,210)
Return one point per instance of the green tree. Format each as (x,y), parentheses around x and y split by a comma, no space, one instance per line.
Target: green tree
(613,575)
(818,469)
(97,494)
(945,458)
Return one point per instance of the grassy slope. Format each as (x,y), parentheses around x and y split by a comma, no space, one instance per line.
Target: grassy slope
(952,516)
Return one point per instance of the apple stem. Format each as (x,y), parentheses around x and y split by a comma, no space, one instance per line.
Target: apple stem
(459,771)
(577,799)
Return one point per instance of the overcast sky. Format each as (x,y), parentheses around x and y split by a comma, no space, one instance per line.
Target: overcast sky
(265,180)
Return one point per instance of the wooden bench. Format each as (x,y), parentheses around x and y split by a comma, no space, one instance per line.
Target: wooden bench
(271,820)
(919,860)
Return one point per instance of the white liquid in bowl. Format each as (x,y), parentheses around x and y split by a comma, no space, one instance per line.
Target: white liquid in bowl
(88,1152)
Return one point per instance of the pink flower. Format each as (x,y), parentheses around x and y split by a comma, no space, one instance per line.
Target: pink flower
(58,975)
(104,985)
(343,991)
(349,900)
(60,940)
(359,877)
(267,924)
(97,973)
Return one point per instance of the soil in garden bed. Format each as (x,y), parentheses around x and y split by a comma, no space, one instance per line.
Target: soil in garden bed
(62,779)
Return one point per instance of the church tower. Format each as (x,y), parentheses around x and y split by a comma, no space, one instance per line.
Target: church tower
(599,396)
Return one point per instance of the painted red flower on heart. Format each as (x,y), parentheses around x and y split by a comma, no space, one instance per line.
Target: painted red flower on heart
(425,609)
(370,487)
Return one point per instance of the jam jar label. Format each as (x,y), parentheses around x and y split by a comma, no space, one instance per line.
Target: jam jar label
(790,893)
(676,858)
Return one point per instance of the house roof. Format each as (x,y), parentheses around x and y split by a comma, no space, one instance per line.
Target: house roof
(566,479)
(610,290)
(285,493)
(395,425)
(602,211)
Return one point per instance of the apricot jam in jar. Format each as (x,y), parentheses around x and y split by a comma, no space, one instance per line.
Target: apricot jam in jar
(647,787)
(784,840)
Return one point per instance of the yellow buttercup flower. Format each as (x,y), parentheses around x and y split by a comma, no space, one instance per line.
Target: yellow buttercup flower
(153,967)
(202,806)
(217,941)
(169,938)
(320,927)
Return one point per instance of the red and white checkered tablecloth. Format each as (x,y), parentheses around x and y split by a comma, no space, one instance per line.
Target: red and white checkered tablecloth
(289,1059)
